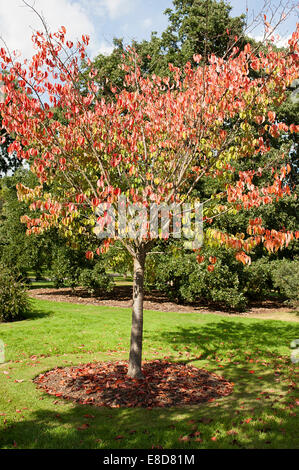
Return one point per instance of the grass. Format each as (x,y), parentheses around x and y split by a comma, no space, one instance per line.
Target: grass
(42,284)
(254,354)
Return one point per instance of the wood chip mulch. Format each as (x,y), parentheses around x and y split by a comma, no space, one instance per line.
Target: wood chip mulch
(121,296)
(165,384)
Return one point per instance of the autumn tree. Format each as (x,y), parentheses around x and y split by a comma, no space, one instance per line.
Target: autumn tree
(153,143)
(205,27)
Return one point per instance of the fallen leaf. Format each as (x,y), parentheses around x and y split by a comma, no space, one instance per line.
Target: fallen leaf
(184,438)
(83,426)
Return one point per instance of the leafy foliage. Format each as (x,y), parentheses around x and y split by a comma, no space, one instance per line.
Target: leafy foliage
(182,278)
(8,162)
(194,27)
(200,27)
(14,302)
(96,280)
(286,279)
(153,142)
(64,268)
(17,251)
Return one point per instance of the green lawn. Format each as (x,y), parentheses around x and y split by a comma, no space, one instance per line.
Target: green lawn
(254,354)
(42,284)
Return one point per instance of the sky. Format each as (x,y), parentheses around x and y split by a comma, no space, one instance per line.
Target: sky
(104,19)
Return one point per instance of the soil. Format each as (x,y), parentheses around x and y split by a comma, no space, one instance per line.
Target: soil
(121,296)
(165,384)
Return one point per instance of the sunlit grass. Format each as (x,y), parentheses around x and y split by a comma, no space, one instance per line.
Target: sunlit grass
(254,354)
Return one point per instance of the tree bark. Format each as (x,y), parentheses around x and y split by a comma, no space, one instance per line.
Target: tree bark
(135,357)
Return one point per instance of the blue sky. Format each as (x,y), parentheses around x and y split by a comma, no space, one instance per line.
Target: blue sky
(147,16)
(104,19)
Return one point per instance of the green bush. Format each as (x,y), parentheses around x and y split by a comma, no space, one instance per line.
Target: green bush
(14,302)
(285,277)
(257,279)
(183,279)
(66,266)
(96,280)
(65,269)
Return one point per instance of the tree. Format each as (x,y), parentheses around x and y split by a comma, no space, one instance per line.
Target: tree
(152,143)
(7,162)
(17,251)
(200,26)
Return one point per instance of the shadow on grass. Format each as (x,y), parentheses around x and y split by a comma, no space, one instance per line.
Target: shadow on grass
(259,397)
(35,313)
(86,426)
(231,336)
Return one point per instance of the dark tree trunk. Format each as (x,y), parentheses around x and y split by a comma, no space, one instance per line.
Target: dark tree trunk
(134,370)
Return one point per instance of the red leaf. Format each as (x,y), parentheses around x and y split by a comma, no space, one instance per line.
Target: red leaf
(184,438)
(83,426)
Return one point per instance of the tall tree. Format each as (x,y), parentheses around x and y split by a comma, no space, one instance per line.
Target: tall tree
(152,144)
(200,27)
(7,162)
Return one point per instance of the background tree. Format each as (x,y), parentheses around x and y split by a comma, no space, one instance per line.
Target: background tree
(47,254)
(200,27)
(7,162)
(17,251)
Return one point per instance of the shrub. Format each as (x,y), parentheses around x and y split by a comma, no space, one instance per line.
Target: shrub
(257,278)
(66,266)
(285,277)
(96,280)
(60,269)
(14,302)
(181,278)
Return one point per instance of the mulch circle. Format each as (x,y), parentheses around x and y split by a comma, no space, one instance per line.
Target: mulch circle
(165,384)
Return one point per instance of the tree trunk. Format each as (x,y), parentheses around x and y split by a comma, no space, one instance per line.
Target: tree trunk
(134,370)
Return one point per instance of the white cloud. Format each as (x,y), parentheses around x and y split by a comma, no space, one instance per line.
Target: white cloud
(283,41)
(117,8)
(147,23)
(279,41)
(105,48)
(111,8)
(17,22)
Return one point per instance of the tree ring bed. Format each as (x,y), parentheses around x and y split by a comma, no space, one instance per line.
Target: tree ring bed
(165,384)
